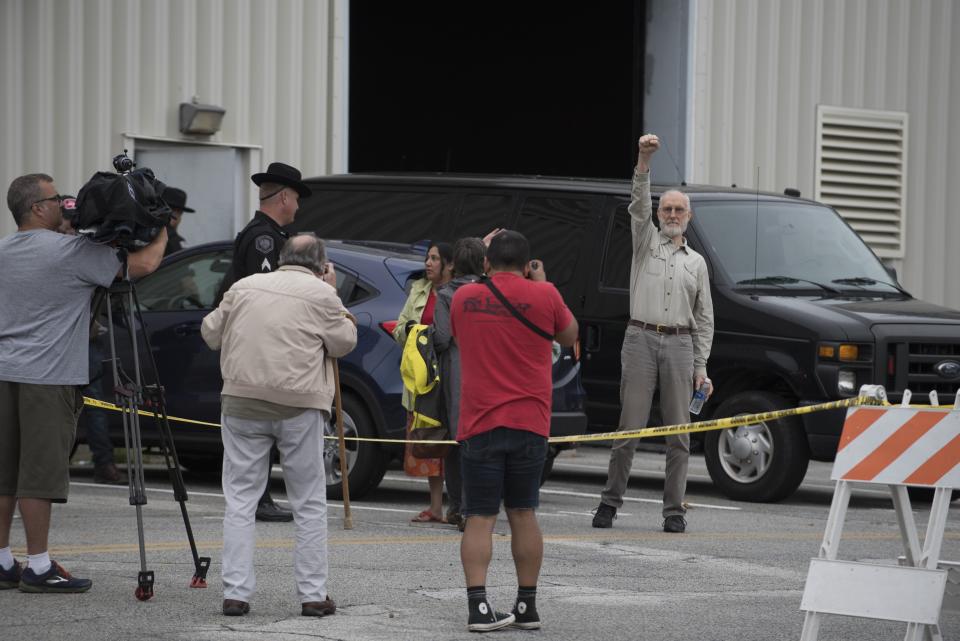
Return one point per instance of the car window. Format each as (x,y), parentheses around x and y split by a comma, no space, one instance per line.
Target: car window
(555,228)
(189,283)
(777,239)
(399,216)
(481,213)
(619,250)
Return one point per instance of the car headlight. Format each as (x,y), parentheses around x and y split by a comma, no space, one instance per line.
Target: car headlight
(846,382)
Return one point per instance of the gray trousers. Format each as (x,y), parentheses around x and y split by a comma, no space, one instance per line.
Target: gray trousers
(650,359)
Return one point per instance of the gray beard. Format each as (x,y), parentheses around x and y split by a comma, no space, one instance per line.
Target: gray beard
(672,231)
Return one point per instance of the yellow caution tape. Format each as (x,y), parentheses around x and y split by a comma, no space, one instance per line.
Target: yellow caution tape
(92,402)
(646,432)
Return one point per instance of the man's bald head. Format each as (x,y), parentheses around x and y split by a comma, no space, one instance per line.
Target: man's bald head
(304,250)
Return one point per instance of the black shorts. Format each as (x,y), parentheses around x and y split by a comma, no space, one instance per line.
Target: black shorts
(504,463)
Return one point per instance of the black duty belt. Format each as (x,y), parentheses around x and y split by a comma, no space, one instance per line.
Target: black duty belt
(660,329)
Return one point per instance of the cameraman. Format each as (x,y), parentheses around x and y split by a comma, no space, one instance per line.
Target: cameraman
(43,362)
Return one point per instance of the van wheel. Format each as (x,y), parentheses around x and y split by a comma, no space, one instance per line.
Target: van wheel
(366,463)
(762,463)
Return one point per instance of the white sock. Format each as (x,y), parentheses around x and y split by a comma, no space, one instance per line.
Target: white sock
(6,558)
(39,563)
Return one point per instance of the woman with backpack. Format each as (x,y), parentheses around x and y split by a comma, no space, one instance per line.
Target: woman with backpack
(419,309)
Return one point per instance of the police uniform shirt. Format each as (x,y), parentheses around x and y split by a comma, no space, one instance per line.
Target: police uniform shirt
(174,242)
(257,248)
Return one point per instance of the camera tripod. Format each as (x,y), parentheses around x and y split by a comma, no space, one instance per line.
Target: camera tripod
(131,394)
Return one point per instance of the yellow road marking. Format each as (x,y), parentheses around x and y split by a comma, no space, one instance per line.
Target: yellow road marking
(453,538)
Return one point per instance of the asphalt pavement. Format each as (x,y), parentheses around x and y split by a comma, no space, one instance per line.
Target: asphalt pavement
(737,574)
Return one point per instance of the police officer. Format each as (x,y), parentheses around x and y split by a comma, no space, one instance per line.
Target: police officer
(257,249)
(177,200)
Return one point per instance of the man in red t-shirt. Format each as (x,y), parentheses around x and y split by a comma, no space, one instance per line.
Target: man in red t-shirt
(506,389)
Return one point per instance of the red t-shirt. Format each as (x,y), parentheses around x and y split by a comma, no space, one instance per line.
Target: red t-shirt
(426,316)
(505,368)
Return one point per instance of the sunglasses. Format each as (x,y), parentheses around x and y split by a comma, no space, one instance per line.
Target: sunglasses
(56,197)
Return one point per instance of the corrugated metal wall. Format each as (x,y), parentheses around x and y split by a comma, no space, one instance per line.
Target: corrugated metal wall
(77,74)
(761,67)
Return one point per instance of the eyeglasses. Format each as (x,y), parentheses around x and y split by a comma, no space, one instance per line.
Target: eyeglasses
(671,210)
(56,197)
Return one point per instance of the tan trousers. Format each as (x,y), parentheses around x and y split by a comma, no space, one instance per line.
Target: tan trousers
(649,360)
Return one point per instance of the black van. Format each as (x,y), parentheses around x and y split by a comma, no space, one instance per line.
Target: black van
(804,311)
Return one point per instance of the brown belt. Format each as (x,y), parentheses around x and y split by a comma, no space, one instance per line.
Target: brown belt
(660,329)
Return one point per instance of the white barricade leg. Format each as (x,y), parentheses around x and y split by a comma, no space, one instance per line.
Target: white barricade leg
(929,557)
(828,550)
(908,528)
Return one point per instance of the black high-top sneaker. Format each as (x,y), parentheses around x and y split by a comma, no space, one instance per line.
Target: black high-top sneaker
(483,618)
(525,614)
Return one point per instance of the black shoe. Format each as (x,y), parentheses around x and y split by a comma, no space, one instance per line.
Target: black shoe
(525,616)
(10,579)
(675,524)
(604,515)
(318,608)
(108,475)
(483,618)
(234,608)
(56,579)
(455,518)
(269,511)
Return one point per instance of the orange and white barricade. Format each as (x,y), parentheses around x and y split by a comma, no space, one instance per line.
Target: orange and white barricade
(896,446)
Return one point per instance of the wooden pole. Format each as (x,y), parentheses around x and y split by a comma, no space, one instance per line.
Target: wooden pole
(344,471)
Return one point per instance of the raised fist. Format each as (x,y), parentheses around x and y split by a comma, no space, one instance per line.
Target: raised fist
(648,144)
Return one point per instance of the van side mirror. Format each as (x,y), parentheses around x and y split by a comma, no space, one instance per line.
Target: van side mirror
(892,271)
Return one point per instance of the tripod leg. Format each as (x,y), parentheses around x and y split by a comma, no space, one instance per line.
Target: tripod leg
(128,397)
(200,563)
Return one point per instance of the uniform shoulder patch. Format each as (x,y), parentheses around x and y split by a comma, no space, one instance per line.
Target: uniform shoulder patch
(264,243)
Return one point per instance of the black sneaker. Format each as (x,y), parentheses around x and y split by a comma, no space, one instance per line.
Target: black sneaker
(525,616)
(483,618)
(675,524)
(56,579)
(10,579)
(271,512)
(604,515)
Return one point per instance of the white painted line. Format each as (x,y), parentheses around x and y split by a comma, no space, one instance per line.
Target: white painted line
(633,499)
(164,490)
(405,479)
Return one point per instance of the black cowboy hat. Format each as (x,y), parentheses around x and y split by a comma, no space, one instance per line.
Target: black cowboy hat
(176,199)
(282,174)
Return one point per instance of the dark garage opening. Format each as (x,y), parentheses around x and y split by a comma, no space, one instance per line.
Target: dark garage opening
(522,87)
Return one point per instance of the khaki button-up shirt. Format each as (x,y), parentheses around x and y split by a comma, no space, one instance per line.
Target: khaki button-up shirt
(669,285)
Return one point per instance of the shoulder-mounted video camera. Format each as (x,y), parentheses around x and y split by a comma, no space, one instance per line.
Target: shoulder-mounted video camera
(125,207)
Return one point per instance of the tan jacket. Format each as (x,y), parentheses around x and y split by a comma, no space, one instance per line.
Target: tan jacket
(274,331)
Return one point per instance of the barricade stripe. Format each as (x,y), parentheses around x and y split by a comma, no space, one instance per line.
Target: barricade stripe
(857,423)
(894,446)
(937,465)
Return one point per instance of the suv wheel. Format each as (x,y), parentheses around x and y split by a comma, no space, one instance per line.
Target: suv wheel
(764,462)
(366,464)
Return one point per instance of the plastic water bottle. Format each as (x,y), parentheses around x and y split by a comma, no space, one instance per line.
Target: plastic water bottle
(700,396)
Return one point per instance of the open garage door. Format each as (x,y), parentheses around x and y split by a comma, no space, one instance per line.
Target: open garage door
(518,87)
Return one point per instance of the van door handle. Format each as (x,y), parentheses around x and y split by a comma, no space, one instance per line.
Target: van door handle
(593,339)
(187,329)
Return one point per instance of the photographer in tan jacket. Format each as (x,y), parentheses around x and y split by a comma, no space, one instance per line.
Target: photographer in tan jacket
(275,331)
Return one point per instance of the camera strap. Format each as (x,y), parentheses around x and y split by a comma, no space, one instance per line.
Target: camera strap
(513,310)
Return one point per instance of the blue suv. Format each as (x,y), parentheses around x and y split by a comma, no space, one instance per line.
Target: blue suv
(372,281)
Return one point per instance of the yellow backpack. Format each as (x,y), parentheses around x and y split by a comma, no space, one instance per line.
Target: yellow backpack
(420,371)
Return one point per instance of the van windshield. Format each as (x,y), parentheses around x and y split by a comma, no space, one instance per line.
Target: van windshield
(789,245)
